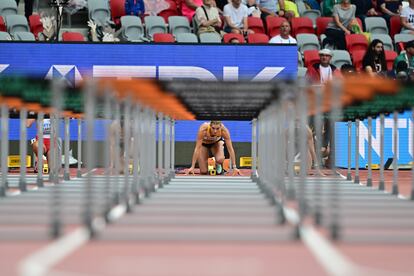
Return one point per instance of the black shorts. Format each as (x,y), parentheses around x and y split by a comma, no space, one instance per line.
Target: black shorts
(212,144)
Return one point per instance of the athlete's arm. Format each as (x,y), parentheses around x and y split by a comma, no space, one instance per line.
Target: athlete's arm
(30,122)
(197,148)
(229,144)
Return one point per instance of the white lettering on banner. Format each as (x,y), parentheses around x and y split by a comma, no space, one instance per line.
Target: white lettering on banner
(3,67)
(230,73)
(388,123)
(124,72)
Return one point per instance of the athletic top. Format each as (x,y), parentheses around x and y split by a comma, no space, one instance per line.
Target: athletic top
(46,128)
(209,139)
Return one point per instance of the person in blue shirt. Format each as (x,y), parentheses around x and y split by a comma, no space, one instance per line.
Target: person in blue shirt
(135,7)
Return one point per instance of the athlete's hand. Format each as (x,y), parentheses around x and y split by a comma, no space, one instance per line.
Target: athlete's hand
(236,171)
(190,170)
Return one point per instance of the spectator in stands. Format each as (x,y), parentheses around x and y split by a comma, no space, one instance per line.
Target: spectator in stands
(253,9)
(327,7)
(235,15)
(273,8)
(323,71)
(284,37)
(390,8)
(348,70)
(364,8)
(405,61)
(407,18)
(104,34)
(234,40)
(344,19)
(49,27)
(135,7)
(374,62)
(208,18)
(28,7)
(221,3)
(188,8)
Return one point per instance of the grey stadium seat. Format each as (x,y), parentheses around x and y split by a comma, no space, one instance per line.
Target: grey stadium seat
(302,71)
(8,7)
(4,36)
(99,12)
(16,23)
(210,38)
(179,24)
(386,39)
(186,38)
(132,29)
(312,14)
(154,24)
(403,38)
(307,42)
(300,60)
(24,36)
(340,57)
(376,25)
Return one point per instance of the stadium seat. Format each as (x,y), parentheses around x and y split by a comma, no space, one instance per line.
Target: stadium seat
(340,57)
(376,25)
(301,6)
(302,71)
(23,36)
(386,40)
(2,25)
(302,25)
(395,25)
(300,60)
(307,42)
(8,7)
(117,10)
(16,23)
(356,42)
(154,24)
(357,57)
(179,24)
(171,11)
(310,57)
(159,37)
(210,38)
(402,38)
(313,15)
(99,12)
(72,36)
(390,57)
(230,36)
(273,25)
(186,38)
(321,24)
(256,24)
(258,38)
(132,29)
(4,36)
(35,24)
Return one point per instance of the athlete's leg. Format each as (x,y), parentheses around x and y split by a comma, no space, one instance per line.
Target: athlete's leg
(218,151)
(203,160)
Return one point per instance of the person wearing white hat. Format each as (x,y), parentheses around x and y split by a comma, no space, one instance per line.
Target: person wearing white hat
(323,71)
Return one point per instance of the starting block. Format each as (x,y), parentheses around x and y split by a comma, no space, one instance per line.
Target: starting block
(212,170)
(373,166)
(45,169)
(13,161)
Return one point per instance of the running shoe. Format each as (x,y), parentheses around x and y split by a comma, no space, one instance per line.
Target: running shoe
(219,169)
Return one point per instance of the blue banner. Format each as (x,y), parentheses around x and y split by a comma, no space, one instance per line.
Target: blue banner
(75,61)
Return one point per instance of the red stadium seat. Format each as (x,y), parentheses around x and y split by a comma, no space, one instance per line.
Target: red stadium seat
(117,10)
(2,25)
(355,42)
(357,57)
(161,37)
(321,24)
(258,38)
(273,25)
(256,24)
(395,25)
(72,36)
(230,36)
(36,25)
(171,11)
(390,57)
(310,57)
(302,25)
(359,22)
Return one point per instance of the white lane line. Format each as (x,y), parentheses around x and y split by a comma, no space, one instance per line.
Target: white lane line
(327,255)
(40,262)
